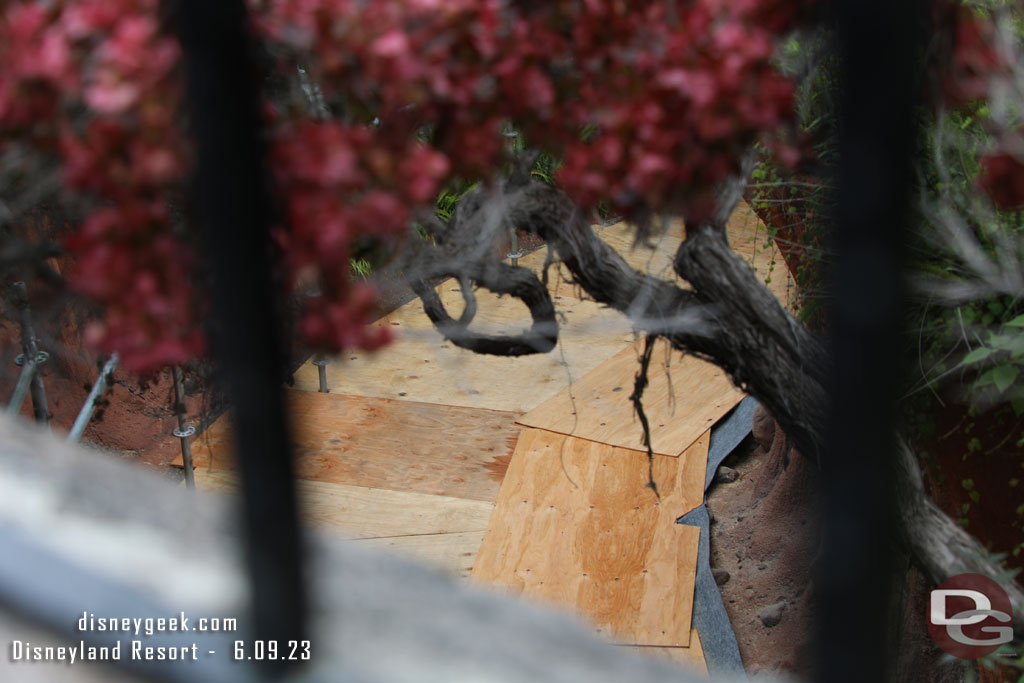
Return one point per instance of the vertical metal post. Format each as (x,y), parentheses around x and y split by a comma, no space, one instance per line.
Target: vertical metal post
(30,348)
(513,239)
(511,136)
(28,370)
(876,143)
(184,431)
(85,414)
(233,212)
(321,368)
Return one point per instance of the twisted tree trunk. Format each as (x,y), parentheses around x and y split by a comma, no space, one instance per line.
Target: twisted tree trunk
(726,316)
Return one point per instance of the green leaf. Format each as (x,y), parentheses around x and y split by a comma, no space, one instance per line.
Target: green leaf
(1004,375)
(976,355)
(1017,403)
(1015,346)
(999,341)
(1016,322)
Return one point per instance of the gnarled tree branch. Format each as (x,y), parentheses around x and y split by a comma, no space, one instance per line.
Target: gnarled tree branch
(939,545)
(727,317)
(464,250)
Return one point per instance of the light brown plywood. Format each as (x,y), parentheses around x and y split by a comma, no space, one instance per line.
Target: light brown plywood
(421,366)
(575,524)
(362,512)
(653,257)
(682,401)
(690,658)
(749,238)
(379,443)
(453,554)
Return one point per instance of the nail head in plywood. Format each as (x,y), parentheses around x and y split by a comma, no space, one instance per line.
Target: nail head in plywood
(575,524)
(362,512)
(681,402)
(379,443)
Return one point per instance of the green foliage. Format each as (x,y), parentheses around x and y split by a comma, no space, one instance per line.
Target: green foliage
(361,267)
(444,207)
(795,212)
(545,168)
(796,209)
(999,359)
(971,353)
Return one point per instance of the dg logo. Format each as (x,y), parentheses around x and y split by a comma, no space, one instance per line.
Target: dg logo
(969,616)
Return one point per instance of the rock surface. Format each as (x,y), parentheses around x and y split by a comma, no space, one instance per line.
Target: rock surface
(772,614)
(726,475)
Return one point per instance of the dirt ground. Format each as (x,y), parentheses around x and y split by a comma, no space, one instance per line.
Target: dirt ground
(764,541)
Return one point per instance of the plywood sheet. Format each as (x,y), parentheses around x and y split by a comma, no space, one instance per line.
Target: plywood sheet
(453,554)
(653,257)
(750,239)
(575,524)
(421,366)
(380,443)
(685,397)
(690,658)
(361,512)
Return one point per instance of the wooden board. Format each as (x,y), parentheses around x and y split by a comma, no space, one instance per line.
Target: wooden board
(575,524)
(653,257)
(453,554)
(421,366)
(690,658)
(362,512)
(749,237)
(682,401)
(398,445)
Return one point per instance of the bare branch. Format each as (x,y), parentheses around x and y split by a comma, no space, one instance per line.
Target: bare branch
(938,544)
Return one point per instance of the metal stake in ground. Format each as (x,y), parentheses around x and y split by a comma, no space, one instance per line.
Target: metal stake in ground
(321,368)
(184,431)
(30,347)
(85,414)
(28,371)
(511,135)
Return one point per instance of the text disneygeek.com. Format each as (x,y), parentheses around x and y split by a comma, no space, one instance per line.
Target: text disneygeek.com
(127,639)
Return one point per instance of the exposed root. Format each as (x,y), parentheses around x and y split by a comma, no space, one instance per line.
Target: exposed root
(636,397)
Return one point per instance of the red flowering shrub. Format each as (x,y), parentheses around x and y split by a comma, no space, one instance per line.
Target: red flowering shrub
(1002,177)
(670,94)
(94,82)
(975,59)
